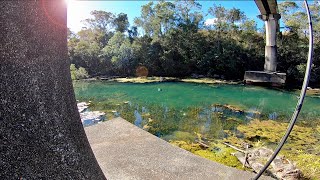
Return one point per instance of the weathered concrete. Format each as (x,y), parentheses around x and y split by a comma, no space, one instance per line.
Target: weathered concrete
(265,77)
(41,135)
(125,151)
(271,22)
(269,14)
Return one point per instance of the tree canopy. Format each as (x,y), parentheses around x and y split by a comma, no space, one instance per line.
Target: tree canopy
(170,38)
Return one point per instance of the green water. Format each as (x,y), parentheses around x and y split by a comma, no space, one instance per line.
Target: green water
(183,95)
(186,113)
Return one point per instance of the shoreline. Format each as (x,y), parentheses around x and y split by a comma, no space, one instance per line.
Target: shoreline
(311,92)
(155,79)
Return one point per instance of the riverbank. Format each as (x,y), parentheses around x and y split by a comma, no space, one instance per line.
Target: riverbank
(154,79)
(314,92)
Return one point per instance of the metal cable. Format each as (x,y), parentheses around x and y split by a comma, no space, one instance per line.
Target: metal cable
(301,99)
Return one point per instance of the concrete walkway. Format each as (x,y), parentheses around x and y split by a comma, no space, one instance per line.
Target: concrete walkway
(125,151)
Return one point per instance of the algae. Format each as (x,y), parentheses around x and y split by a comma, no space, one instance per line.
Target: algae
(302,146)
(217,152)
(183,127)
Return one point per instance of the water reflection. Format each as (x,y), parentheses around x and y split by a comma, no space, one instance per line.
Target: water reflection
(138,119)
(163,121)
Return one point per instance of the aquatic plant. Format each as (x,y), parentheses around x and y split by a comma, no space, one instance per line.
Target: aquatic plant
(180,136)
(217,152)
(184,126)
(309,164)
(302,146)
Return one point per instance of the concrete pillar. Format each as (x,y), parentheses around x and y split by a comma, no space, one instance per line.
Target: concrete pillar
(271,23)
(41,135)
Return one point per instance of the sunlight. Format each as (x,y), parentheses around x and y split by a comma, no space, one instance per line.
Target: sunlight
(77,12)
(69,2)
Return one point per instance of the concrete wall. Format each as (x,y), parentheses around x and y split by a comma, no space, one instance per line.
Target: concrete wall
(41,136)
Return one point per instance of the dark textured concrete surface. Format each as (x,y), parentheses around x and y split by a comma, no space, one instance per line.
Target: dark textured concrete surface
(41,135)
(125,151)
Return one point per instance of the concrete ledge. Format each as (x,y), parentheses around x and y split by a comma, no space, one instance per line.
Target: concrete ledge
(125,151)
(265,77)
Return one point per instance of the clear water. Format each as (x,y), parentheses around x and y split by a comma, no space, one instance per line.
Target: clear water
(272,103)
(187,113)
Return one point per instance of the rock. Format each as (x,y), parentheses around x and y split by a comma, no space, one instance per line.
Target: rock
(82,106)
(146,127)
(280,167)
(89,118)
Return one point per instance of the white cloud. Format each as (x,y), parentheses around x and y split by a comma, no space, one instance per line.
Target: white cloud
(211,21)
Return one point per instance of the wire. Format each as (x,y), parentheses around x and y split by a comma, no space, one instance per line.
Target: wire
(301,99)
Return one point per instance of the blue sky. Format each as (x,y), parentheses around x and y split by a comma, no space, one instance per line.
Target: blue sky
(79,10)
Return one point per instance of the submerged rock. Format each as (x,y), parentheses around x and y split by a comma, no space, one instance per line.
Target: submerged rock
(89,118)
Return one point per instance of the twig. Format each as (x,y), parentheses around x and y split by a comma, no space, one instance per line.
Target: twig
(233,147)
(202,144)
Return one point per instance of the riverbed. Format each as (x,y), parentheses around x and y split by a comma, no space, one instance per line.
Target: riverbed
(195,115)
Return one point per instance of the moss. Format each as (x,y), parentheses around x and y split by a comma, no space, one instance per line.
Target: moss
(221,154)
(231,123)
(192,147)
(180,136)
(302,146)
(217,152)
(272,131)
(309,164)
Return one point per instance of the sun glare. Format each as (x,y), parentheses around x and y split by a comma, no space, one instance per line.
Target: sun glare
(77,11)
(69,2)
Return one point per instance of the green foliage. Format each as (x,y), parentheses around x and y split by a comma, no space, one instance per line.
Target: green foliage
(170,38)
(73,70)
(121,22)
(77,74)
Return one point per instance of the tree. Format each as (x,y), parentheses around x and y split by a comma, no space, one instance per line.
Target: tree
(120,50)
(174,42)
(188,15)
(101,20)
(235,15)
(156,19)
(121,22)
(294,41)
(220,13)
(77,74)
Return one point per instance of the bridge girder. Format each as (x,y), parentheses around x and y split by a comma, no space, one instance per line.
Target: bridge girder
(267,7)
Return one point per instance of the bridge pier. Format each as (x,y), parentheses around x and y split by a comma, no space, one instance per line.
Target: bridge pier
(271,22)
(270,16)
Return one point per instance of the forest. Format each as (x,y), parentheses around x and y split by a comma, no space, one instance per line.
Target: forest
(171,39)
